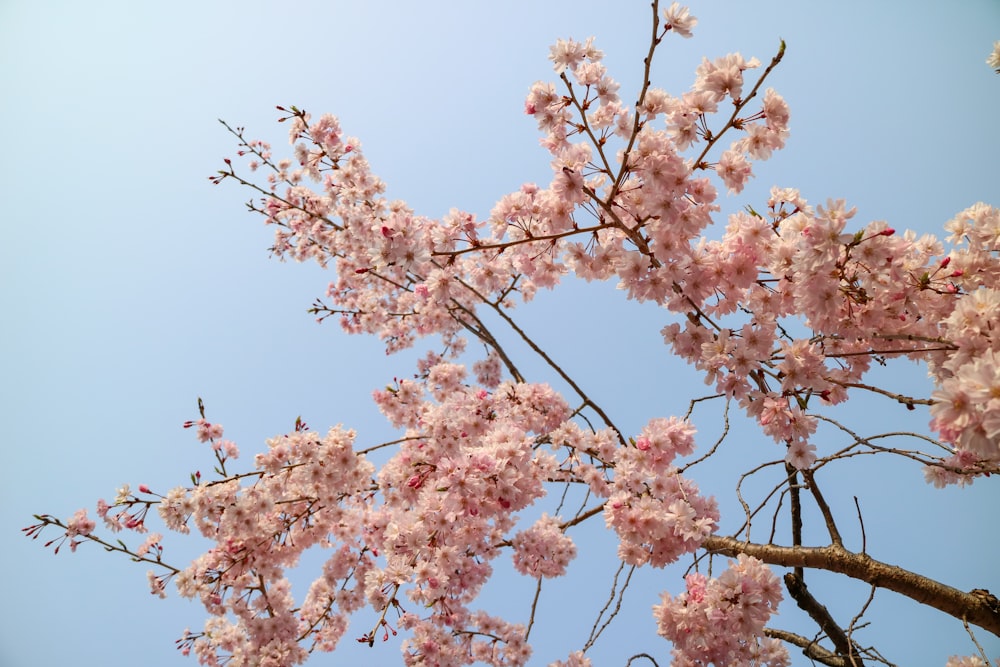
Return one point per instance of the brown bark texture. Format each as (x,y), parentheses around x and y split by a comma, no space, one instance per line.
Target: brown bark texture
(978,607)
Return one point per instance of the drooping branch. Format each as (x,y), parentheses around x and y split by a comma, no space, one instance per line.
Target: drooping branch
(820,614)
(639,656)
(908,401)
(809,647)
(616,595)
(977,609)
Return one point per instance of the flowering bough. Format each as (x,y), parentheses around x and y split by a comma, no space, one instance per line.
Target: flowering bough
(784,312)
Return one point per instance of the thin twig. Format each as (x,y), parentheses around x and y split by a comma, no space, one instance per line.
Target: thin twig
(534,607)
(861,521)
(718,442)
(596,631)
(824,508)
(853,625)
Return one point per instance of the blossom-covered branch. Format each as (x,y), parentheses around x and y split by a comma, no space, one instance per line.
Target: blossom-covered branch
(784,312)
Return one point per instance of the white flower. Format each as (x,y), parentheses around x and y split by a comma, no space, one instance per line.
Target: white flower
(123,494)
(994,59)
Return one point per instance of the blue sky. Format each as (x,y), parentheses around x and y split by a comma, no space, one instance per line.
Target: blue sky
(131,286)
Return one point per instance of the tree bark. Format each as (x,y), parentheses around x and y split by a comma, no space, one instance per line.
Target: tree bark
(978,607)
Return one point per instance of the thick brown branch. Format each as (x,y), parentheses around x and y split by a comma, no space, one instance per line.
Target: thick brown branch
(975,609)
(818,612)
(796,505)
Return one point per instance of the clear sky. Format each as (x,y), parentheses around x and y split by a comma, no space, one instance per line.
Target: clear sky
(130,285)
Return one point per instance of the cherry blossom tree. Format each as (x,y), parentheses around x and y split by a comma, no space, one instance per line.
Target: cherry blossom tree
(786,309)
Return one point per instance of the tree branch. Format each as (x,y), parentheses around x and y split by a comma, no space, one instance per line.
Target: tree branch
(809,647)
(831,525)
(975,609)
(818,612)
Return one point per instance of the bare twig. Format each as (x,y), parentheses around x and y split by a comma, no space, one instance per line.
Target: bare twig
(615,595)
(534,607)
(908,401)
(824,509)
(719,440)
(853,625)
(861,521)
(972,636)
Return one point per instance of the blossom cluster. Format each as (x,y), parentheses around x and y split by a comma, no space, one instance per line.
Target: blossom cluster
(658,513)
(543,550)
(966,409)
(789,308)
(971,660)
(424,528)
(721,621)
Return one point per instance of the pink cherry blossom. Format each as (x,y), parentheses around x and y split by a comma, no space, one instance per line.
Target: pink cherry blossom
(678,18)
(79,525)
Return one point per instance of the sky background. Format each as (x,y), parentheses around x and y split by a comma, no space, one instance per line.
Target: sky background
(130,285)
